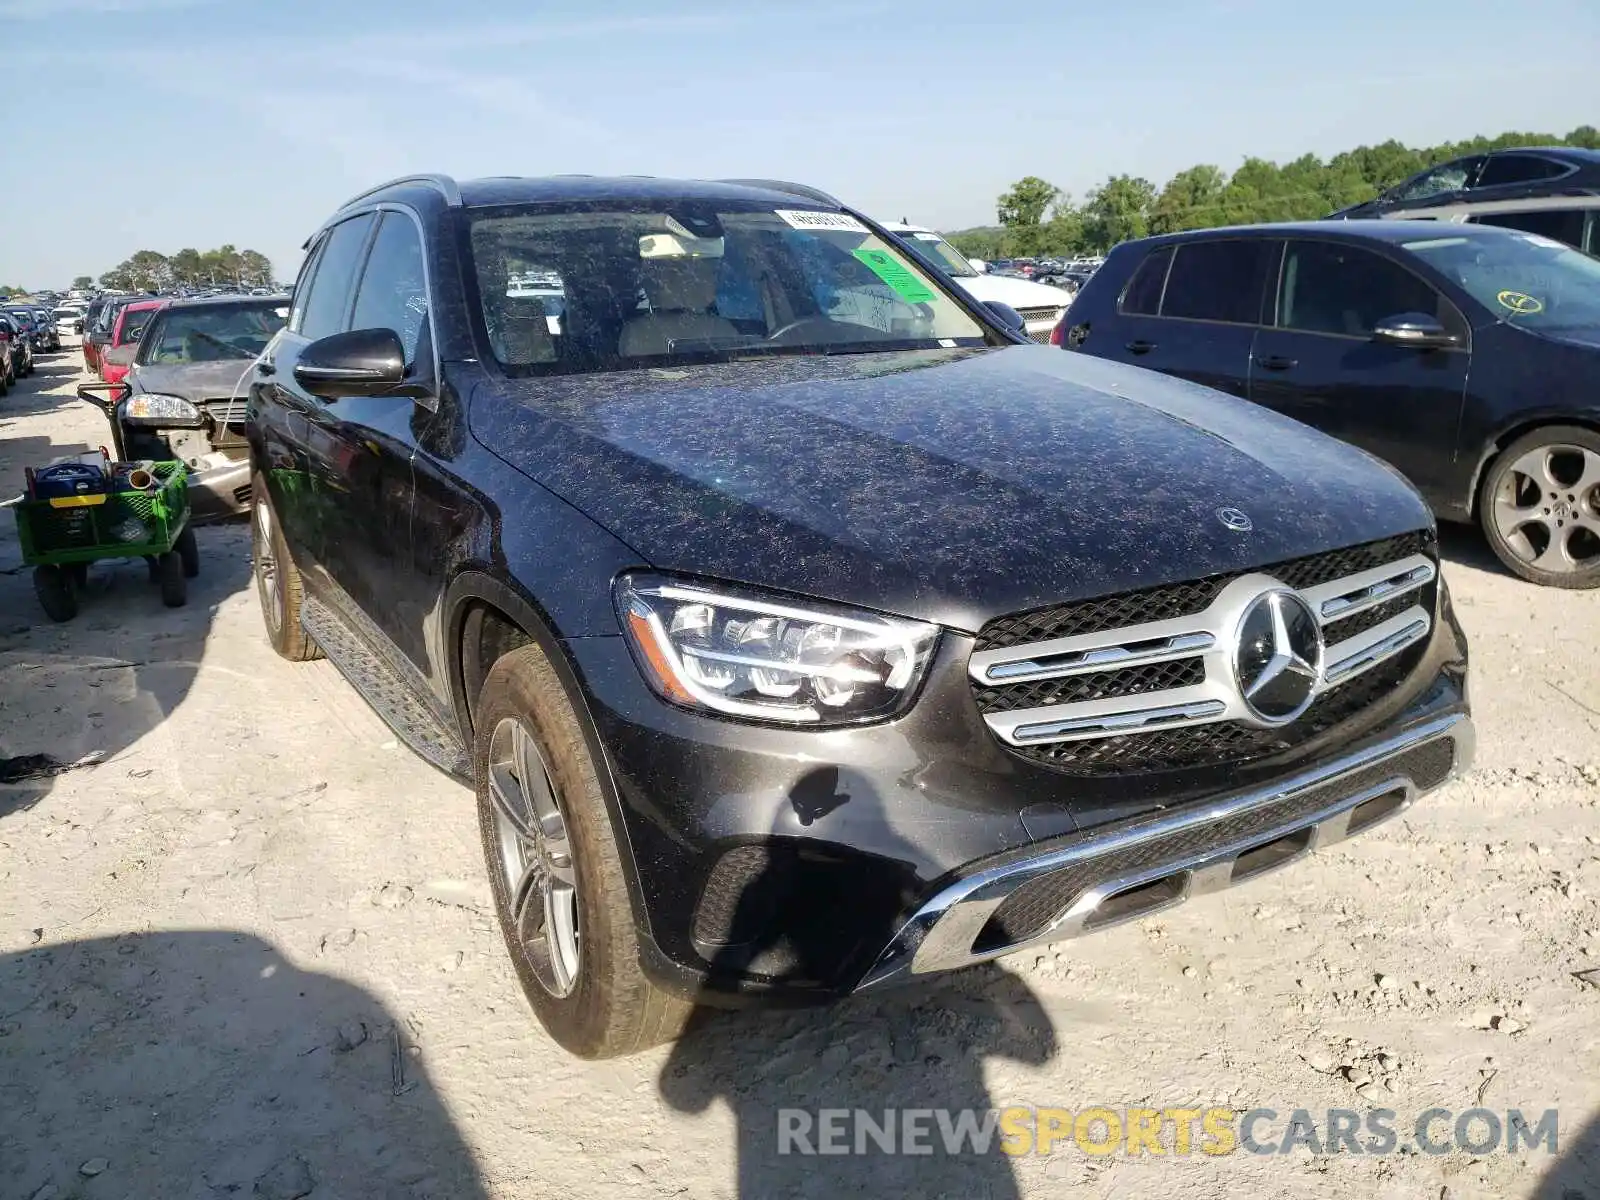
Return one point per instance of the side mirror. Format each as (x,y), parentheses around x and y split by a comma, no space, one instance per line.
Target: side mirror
(362,362)
(1417,330)
(1007,316)
(115,394)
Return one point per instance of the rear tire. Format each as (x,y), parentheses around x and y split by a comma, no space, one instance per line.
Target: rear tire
(530,749)
(278,584)
(57,596)
(1539,507)
(189,550)
(174,587)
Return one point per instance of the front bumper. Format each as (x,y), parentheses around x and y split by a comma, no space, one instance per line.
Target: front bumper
(797,865)
(1082,883)
(220,491)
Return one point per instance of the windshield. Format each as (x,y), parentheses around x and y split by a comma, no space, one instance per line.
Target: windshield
(587,288)
(1522,278)
(237,332)
(930,247)
(133,324)
(67,314)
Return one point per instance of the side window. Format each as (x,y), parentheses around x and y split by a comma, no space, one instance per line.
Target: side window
(1142,296)
(1562,224)
(330,282)
(1216,281)
(1519,168)
(1452,176)
(1332,288)
(392,294)
(302,284)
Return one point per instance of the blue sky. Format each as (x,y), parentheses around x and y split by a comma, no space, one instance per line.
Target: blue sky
(169,123)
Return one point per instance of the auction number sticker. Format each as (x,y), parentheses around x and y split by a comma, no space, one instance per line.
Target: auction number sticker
(1520,302)
(826,222)
(894,273)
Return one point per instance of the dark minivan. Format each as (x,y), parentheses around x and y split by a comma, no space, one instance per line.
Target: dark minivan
(1468,357)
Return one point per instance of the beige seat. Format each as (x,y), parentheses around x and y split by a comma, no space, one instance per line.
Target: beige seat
(680,292)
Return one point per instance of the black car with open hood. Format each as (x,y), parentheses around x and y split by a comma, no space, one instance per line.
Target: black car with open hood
(802,628)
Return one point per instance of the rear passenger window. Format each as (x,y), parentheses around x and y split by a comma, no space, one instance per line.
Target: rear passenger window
(1216,281)
(329,295)
(1564,225)
(1142,296)
(1520,168)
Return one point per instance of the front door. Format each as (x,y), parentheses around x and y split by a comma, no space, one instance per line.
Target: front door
(1317,361)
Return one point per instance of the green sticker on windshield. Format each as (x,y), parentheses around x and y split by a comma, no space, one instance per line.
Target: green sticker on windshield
(895,273)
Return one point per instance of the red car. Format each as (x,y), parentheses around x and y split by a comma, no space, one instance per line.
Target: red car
(116,356)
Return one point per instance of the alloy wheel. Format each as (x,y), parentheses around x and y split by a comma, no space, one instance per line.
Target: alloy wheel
(1547,508)
(266,565)
(540,874)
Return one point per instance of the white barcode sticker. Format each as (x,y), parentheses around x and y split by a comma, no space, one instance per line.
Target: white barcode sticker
(830,222)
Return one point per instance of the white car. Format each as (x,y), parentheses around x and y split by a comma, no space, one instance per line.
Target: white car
(1041,306)
(69,321)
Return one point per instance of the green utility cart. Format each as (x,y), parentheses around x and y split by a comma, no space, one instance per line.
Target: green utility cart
(62,535)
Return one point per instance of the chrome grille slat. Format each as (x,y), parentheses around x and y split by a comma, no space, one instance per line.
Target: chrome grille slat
(1199,648)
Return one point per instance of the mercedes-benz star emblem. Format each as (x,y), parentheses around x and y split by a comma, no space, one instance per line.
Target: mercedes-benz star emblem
(1278,657)
(1235,519)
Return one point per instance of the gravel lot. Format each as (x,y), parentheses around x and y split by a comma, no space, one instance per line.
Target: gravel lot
(251,951)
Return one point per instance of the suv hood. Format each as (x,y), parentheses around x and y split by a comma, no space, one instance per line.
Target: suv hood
(192,381)
(954,486)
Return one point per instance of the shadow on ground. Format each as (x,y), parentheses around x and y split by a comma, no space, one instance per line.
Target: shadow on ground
(1465,544)
(201,1064)
(1576,1173)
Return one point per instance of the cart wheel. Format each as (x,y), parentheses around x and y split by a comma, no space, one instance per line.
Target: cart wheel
(80,575)
(189,550)
(56,594)
(174,588)
(153,565)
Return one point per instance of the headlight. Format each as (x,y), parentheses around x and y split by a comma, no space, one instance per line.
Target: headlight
(744,654)
(161,407)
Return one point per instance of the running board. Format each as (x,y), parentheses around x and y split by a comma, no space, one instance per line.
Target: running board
(382,687)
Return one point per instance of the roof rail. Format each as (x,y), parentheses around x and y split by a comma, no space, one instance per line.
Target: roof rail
(442,184)
(794,189)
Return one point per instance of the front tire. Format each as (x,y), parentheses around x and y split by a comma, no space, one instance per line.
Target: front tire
(189,551)
(556,870)
(278,583)
(1540,507)
(174,587)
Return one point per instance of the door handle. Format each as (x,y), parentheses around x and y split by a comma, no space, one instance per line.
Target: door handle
(1276,362)
(1140,346)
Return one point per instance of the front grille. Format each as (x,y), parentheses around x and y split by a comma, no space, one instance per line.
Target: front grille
(1184,599)
(1185,740)
(1042,336)
(1051,314)
(1220,741)
(1099,685)
(1030,909)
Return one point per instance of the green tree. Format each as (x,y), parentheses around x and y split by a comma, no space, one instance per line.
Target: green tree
(1026,202)
(187,269)
(1119,209)
(255,269)
(82,283)
(1189,201)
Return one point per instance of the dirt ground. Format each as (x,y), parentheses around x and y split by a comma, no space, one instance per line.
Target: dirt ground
(250,952)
